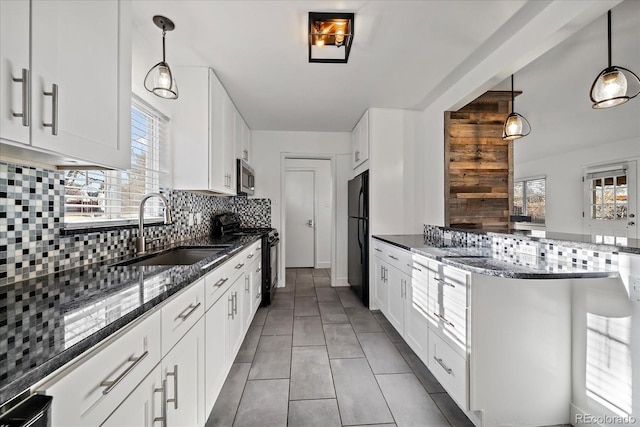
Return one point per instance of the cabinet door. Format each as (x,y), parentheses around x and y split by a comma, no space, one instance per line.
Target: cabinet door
(363,144)
(234,319)
(239,136)
(183,376)
(256,282)
(142,406)
(247,300)
(217,164)
(215,365)
(246,142)
(85,49)
(396,282)
(381,291)
(14,57)
(229,145)
(355,146)
(416,323)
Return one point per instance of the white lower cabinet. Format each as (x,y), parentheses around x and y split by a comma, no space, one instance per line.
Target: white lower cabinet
(256,283)
(234,322)
(381,287)
(183,375)
(397,283)
(449,368)
(416,322)
(142,407)
(216,367)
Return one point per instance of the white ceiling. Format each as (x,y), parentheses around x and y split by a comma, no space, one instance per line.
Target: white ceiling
(401,51)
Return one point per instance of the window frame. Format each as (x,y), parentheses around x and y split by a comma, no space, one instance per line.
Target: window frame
(525,209)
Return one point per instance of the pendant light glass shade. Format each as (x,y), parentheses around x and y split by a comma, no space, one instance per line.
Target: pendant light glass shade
(515,126)
(159,79)
(614,85)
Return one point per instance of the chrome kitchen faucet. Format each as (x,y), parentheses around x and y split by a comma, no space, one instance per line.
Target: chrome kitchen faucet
(141,241)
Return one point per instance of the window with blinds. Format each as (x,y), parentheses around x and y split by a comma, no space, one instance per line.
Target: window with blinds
(95,197)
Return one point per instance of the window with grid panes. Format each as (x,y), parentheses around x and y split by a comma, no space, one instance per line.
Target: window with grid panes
(529,199)
(106,197)
(608,194)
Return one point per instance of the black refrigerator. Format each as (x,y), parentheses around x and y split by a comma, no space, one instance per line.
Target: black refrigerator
(358,231)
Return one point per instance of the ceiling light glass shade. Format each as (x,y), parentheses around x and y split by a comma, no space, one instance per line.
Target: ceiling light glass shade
(515,127)
(612,85)
(330,36)
(160,81)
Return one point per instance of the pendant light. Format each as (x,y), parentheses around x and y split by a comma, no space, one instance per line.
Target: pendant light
(515,126)
(159,79)
(611,86)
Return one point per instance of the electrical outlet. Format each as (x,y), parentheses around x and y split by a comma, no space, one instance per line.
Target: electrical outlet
(634,288)
(447,236)
(199,218)
(190,221)
(531,250)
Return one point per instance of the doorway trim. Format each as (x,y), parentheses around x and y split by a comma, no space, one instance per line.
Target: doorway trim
(307,156)
(315,216)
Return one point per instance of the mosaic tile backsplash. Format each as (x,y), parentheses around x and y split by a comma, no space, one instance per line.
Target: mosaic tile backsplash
(31,220)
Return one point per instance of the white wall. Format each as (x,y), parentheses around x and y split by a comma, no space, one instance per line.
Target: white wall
(268,148)
(323,203)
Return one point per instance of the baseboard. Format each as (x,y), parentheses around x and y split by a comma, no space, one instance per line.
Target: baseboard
(323,265)
(341,281)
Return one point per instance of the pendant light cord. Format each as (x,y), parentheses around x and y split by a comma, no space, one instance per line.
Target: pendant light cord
(609,35)
(512,97)
(164,32)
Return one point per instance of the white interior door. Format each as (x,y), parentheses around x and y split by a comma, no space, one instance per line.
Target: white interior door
(300,221)
(611,200)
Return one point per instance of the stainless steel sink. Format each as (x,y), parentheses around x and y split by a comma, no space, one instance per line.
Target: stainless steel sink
(176,256)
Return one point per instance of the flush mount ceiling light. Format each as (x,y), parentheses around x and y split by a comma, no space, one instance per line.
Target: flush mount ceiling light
(159,79)
(613,84)
(330,37)
(515,126)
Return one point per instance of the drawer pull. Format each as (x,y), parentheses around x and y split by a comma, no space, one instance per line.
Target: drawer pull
(221,282)
(445,283)
(258,248)
(189,311)
(26,97)
(54,109)
(258,296)
(250,256)
(414,267)
(441,363)
(258,270)
(421,265)
(163,407)
(444,320)
(230,307)
(111,384)
(235,304)
(378,250)
(174,374)
(393,258)
(239,266)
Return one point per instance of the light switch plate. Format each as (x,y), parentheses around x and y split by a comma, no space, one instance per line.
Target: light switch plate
(634,288)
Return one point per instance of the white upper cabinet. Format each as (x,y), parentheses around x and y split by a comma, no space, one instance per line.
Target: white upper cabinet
(243,139)
(203,124)
(360,141)
(80,79)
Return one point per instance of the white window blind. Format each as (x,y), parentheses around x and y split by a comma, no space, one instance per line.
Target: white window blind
(100,196)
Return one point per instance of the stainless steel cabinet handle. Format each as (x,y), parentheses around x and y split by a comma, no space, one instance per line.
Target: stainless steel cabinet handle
(54,109)
(414,267)
(446,369)
(235,304)
(393,258)
(246,284)
(188,311)
(221,282)
(632,223)
(258,248)
(111,384)
(245,154)
(239,266)
(402,288)
(250,256)
(174,374)
(445,283)
(163,408)
(258,296)
(378,250)
(26,96)
(230,314)
(258,270)
(444,320)
(357,155)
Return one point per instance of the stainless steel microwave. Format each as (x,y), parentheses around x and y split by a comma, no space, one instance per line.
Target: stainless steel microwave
(245,178)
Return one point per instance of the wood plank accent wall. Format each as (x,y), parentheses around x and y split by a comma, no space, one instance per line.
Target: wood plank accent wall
(478,164)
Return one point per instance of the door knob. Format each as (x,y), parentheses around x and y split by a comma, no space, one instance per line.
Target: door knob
(632,223)
(310,223)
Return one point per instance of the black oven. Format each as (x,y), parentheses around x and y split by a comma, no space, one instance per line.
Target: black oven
(34,411)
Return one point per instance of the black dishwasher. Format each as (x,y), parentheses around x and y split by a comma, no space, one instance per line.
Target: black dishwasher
(32,412)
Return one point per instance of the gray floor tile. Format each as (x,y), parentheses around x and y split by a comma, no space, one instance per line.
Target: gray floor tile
(305,290)
(310,374)
(264,403)
(228,400)
(261,316)
(332,312)
(382,355)
(307,331)
(320,272)
(348,298)
(272,359)
(341,341)
(409,402)
(359,398)
(302,278)
(306,306)
(429,382)
(304,270)
(322,281)
(314,413)
(290,286)
(327,294)
(376,425)
(279,322)
(249,345)
(393,335)
(362,320)
(282,301)
(451,411)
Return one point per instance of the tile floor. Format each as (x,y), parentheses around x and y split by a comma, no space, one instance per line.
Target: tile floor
(318,357)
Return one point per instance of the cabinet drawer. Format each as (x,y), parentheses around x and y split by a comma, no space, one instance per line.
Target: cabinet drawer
(449,368)
(379,249)
(422,268)
(181,313)
(98,384)
(216,283)
(396,257)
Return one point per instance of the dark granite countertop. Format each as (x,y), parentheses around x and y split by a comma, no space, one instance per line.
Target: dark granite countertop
(48,321)
(483,261)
